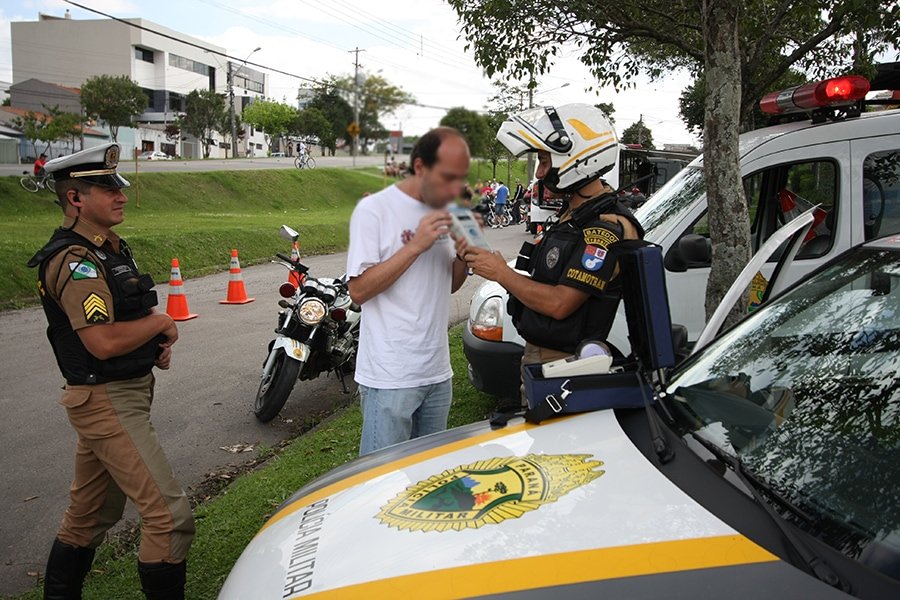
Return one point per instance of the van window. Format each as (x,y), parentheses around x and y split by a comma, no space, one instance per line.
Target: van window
(881,194)
(795,189)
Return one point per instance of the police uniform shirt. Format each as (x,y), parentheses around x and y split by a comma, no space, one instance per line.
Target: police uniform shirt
(77,281)
(589,268)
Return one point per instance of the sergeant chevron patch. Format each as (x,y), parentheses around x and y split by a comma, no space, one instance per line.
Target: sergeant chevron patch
(95,310)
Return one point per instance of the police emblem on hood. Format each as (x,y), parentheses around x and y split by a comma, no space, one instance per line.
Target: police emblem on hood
(488,492)
(552,257)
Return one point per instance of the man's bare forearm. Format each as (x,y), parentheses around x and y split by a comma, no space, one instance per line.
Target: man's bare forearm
(380,277)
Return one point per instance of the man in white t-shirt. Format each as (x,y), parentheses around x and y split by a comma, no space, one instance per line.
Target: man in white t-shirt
(403,265)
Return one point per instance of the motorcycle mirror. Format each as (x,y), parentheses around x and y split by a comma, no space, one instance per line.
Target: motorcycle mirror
(288,234)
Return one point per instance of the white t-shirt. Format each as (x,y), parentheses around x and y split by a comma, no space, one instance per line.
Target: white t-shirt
(403,332)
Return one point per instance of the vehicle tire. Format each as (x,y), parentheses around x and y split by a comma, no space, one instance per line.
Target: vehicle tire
(310,163)
(298,163)
(29,183)
(505,220)
(50,185)
(273,391)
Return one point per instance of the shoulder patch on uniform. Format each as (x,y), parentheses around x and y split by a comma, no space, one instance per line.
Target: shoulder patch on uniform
(599,236)
(95,310)
(593,258)
(83,269)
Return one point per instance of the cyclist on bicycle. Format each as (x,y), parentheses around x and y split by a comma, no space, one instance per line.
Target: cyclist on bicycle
(39,165)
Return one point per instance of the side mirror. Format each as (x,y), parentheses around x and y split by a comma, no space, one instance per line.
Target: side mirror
(288,234)
(691,251)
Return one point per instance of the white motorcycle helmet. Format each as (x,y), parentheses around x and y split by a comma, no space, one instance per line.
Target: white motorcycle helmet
(579,137)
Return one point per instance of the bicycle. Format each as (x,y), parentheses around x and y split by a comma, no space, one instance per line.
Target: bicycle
(305,160)
(35,183)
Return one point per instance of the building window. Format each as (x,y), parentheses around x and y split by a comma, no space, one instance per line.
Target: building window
(150,97)
(176,102)
(188,64)
(143,54)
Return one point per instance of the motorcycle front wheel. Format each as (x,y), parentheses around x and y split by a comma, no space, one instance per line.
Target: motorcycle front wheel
(276,387)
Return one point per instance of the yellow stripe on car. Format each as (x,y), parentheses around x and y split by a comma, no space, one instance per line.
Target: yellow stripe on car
(562,569)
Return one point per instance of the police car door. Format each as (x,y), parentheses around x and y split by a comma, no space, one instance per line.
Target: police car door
(875,183)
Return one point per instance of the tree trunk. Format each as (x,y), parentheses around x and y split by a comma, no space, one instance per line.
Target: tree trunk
(729,222)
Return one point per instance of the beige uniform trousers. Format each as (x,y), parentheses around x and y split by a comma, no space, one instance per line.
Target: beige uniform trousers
(118,456)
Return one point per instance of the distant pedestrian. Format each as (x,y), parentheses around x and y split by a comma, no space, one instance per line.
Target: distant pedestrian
(290,149)
(517,199)
(502,194)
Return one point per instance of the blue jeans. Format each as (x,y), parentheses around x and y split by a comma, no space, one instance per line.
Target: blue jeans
(394,416)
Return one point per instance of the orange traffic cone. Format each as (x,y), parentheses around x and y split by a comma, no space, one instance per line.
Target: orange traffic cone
(236,292)
(295,256)
(177,306)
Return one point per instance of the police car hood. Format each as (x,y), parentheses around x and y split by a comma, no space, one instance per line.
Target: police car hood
(524,507)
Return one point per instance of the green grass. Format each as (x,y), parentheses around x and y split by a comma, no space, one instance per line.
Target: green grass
(199,217)
(196,217)
(228,522)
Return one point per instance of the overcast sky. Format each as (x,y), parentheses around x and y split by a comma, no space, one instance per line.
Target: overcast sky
(412,43)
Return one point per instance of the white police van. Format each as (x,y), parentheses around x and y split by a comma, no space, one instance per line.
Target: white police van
(843,160)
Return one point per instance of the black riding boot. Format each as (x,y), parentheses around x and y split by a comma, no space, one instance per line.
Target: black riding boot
(163,581)
(66,570)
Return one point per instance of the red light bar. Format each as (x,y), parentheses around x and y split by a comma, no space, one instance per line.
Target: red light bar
(839,91)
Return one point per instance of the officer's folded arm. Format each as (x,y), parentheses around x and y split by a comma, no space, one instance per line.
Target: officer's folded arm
(107,340)
(555,301)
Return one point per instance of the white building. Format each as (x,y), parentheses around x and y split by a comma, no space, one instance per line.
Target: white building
(168,65)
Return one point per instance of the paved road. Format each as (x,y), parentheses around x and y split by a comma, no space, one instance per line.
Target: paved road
(204,401)
(219,164)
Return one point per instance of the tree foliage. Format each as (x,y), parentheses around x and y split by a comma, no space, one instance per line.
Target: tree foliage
(339,113)
(608,110)
(223,127)
(273,118)
(621,39)
(638,133)
(378,98)
(311,122)
(473,127)
(48,127)
(116,100)
(203,111)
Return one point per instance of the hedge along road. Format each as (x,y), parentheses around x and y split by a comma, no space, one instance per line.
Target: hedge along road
(202,403)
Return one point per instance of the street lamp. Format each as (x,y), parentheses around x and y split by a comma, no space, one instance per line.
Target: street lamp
(231,75)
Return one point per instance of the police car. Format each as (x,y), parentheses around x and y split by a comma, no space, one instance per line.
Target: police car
(767,467)
(842,160)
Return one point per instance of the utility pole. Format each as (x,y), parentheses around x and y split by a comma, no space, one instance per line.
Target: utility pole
(230,80)
(530,167)
(641,130)
(355,134)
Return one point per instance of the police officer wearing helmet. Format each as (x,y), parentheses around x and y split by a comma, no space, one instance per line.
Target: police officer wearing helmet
(572,292)
(107,338)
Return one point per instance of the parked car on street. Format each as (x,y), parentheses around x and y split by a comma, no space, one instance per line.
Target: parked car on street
(153,155)
(770,469)
(842,160)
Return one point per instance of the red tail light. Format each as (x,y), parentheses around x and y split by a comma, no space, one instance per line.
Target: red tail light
(831,92)
(287,289)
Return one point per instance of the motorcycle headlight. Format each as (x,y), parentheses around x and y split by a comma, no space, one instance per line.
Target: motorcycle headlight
(311,311)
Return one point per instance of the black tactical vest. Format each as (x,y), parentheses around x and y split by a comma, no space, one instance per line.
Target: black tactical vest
(593,319)
(132,299)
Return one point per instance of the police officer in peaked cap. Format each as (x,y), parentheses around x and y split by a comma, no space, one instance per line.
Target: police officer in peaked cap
(572,291)
(107,338)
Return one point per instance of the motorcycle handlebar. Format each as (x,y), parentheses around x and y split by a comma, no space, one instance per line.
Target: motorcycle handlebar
(297,265)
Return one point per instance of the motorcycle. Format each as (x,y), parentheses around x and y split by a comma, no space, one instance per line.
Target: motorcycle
(317,332)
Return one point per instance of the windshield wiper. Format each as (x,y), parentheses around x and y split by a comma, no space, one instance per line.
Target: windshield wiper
(815,564)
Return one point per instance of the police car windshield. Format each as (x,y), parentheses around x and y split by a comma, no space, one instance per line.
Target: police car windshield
(806,393)
(672,200)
